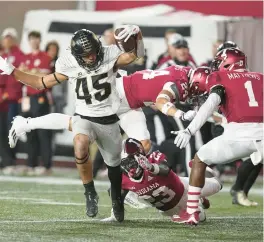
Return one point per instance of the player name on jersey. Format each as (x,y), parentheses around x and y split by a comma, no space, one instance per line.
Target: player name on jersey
(243,75)
(147,189)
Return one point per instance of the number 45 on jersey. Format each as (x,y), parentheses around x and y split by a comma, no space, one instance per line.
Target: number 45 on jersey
(94,91)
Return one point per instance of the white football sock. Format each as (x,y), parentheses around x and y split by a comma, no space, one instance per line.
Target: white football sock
(54,121)
(193,199)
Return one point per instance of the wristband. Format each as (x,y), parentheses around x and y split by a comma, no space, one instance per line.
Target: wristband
(178,113)
(156,169)
(166,107)
(163,95)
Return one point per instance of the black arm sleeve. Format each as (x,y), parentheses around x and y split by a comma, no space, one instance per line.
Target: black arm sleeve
(176,93)
(164,168)
(220,91)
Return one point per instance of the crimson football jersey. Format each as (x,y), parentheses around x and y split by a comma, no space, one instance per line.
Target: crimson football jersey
(163,192)
(13,87)
(243,95)
(42,63)
(144,86)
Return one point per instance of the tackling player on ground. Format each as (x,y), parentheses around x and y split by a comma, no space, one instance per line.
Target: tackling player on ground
(239,93)
(150,177)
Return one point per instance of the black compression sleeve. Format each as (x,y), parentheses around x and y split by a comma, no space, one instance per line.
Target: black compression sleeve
(219,90)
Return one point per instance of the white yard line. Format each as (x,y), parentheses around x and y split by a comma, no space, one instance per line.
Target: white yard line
(72,181)
(65,191)
(66,203)
(49,180)
(26,199)
(131,219)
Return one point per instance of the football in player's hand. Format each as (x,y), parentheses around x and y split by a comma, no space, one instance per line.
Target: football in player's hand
(127,46)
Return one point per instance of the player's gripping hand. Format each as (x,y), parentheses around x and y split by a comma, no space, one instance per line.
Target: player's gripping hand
(6,67)
(128,31)
(182,139)
(143,161)
(188,116)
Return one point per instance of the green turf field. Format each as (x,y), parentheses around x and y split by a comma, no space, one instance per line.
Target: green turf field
(33,211)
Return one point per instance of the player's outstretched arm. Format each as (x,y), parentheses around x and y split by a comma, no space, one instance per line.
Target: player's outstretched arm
(205,111)
(163,104)
(38,82)
(28,79)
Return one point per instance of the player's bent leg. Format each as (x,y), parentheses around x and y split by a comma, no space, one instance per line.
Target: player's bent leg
(83,136)
(83,163)
(133,122)
(211,187)
(84,166)
(197,179)
(109,142)
(217,151)
(53,121)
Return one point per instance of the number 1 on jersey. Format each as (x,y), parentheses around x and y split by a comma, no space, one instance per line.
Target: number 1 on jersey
(252,100)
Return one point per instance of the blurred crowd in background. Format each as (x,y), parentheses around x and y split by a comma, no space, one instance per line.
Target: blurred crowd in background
(16,99)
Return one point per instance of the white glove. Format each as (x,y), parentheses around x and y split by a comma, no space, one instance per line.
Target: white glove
(143,162)
(182,139)
(127,32)
(6,67)
(189,116)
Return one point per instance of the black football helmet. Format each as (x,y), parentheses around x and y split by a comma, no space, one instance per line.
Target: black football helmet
(84,43)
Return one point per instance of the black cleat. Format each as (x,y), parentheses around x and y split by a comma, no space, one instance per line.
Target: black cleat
(118,210)
(91,204)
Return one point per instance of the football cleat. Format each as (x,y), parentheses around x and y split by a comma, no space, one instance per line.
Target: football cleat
(18,129)
(202,215)
(91,203)
(240,198)
(205,203)
(118,210)
(110,219)
(186,218)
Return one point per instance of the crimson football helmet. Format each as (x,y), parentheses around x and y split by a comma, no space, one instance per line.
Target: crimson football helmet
(197,89)
(131,167)
(133,147)
(229,60)
(197,80)
(129,164)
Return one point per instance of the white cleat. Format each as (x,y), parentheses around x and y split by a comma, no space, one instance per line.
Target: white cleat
(110,219)
(243,200)
(133,200)
(18,129)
